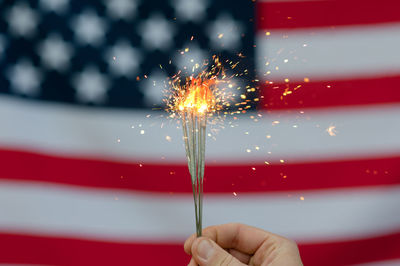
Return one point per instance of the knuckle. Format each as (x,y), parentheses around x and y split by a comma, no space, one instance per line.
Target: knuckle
(291,244)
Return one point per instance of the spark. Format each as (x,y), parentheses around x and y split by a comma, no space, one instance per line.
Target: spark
(142,132)
(301,198)
(118,140)
(234,193)
(168,138)
(282,161)
(331,130)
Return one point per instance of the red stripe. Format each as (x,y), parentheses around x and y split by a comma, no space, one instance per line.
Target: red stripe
(306,14)
(318,94)
(385,247)
(66,251)
(25,166)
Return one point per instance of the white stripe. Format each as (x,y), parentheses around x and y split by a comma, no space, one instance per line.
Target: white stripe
(382,263)
(330,53)
(123,216)
(363,132)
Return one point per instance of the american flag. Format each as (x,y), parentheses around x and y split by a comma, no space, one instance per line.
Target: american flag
(91,174)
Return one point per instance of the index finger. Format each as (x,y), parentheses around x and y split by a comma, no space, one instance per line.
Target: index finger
(244,238)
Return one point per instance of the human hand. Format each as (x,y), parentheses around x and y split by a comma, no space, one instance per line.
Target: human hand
(238,245)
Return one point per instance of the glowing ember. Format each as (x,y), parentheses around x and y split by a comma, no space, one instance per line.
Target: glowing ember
(331,130)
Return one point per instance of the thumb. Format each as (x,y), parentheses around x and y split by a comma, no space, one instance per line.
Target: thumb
(207,253)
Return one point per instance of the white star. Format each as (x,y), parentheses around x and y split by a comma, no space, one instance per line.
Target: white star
(153,88)
(22,20)
(123,60)
(190,10)
(191,58)
(157,33)
(56,6)
(24,78)
(89,28)
(91,86)
(55,53)
(121,9)
(225,33)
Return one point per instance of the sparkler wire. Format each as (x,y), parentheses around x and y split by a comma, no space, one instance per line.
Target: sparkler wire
(194,129)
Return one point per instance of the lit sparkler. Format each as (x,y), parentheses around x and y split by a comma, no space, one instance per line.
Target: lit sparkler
(194,120)
(194,100)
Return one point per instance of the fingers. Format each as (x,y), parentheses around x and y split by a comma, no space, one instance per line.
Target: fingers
(242,257)
(244,238)
(280,252)
(207,253)
(246,244)
(188,244)
(192,262)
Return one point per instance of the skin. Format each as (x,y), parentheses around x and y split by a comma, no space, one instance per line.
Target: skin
(238,244)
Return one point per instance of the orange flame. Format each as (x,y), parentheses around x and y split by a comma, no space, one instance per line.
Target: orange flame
(197,96)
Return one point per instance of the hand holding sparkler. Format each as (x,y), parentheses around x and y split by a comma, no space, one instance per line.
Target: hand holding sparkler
(239,245)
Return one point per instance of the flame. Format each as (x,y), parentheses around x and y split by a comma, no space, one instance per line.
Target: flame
(210,92)
(197,96)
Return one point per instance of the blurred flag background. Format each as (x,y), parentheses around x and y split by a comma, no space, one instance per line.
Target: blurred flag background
(93,173)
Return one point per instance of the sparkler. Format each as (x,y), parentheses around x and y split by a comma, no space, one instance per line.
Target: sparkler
(194,108)
(197,100)
(194,100)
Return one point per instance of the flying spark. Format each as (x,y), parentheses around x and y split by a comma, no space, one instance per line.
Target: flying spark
(331,130)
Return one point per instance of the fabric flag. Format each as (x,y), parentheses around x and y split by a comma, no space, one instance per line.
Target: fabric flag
(93,173)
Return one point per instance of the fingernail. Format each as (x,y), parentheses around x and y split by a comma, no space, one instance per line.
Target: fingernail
(205,249)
